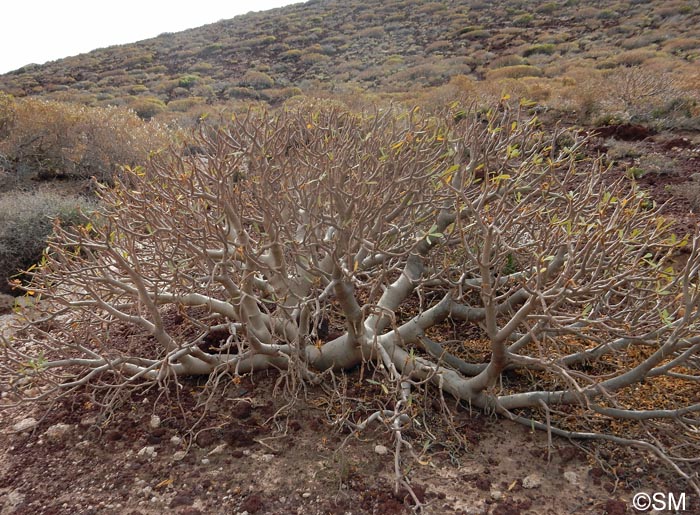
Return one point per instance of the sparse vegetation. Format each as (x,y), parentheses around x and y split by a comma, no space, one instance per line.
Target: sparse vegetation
(370,191)
(395,224)
(47,139)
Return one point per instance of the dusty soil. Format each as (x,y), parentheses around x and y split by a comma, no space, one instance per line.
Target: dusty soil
(150,458)
(668,164)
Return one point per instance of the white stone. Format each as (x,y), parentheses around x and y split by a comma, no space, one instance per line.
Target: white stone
(179,455)
(88,421)
(306,495)
(572,477)
(26,424)
(154,422)
(57,432)
(176,440)
(267,457)
(381,450)
(496,495)
(217,450)
(205,461)
(149,452)
(532,481)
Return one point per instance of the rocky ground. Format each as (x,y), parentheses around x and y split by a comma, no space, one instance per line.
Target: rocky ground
(237,461)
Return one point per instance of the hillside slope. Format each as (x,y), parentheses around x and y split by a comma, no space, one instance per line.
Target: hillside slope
(348,46)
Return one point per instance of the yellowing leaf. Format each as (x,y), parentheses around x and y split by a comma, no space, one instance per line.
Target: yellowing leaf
(165,483)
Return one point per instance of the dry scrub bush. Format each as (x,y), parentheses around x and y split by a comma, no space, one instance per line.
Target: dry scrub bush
(26,222)
(316,241)
(53,139)
(637,91)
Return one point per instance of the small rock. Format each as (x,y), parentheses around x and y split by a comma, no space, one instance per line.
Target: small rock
(181,500)
(306,495)
(154,422)
(88,421)
(471,468)
(218,449)
(176,440)
(496,495)
(26,424)
(572,477)
(381,450)
(57,432)
(267,457)
(532,481)
(205,461)
(149,452)
(179,455)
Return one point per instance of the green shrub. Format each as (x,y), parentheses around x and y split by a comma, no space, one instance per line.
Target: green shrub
(147,107)
(523,20)
(548,8)
(7,114)
(313,58)
(468,29)
(256,80)
(635,172)
(514,72)
(476,34)
(259,41)
(187,81)
(607,14)
(137,89)
(26,222)
(547,49)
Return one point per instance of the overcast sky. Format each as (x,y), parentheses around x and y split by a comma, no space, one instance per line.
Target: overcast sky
(37,31)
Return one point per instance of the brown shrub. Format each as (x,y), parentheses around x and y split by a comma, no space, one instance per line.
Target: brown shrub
(53,139)
(313,58)
(256,80)
(146,107)
(514,72)
(185,104)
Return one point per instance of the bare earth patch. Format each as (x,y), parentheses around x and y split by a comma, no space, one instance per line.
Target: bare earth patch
(239,459)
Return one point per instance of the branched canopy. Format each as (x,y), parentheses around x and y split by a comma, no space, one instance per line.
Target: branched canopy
(315,240)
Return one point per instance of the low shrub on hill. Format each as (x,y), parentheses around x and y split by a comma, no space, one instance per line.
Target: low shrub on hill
(26,222)
(47,139)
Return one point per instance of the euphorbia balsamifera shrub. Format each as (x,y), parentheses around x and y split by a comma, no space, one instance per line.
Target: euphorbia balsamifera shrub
(314,240)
